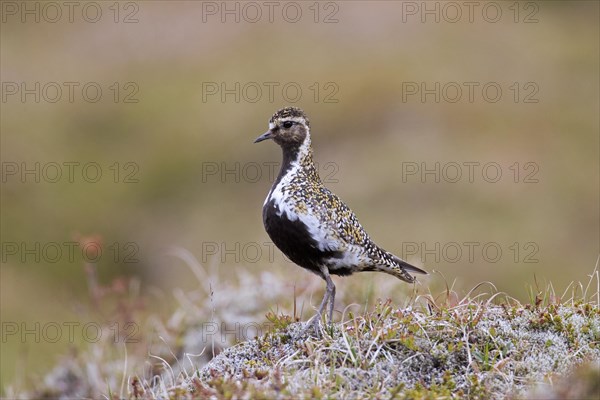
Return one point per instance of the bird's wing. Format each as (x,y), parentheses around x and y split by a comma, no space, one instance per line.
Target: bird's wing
(341,222)
(351,237)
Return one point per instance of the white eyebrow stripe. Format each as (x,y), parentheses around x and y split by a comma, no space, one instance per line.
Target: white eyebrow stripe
(271,125)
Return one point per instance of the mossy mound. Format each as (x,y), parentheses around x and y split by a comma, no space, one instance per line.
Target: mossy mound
(471,350)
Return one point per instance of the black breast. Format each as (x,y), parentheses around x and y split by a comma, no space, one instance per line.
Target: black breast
(294,240)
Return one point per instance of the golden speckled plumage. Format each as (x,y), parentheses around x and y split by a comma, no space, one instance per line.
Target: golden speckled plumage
(309,223)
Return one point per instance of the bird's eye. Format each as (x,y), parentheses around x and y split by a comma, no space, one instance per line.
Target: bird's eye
(288,124)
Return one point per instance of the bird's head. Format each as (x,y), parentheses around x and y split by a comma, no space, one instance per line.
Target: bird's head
(288,127)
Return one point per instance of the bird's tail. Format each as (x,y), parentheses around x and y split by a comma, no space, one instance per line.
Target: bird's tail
(400,269)
(409,267)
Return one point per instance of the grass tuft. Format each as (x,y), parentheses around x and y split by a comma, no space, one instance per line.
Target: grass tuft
(482,345)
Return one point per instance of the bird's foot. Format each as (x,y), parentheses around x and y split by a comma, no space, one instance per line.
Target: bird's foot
(313,324)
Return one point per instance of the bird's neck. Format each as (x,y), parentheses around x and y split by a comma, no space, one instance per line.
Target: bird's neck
(299,160)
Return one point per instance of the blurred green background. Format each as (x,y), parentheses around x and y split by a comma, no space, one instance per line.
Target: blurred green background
(172,136)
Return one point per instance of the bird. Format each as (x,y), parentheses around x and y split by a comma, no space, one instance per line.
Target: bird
(312,226)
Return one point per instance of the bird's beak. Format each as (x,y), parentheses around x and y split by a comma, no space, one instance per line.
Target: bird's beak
(267,135)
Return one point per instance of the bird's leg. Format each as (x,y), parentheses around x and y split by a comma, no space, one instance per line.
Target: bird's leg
(314,320)
(329,294)
(323,303)
(331,300)
(328,297)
